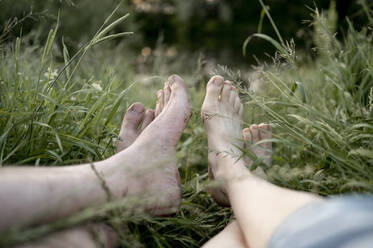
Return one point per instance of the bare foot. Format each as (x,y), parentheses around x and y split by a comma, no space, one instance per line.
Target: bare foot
(222,116)
(263,150)
(82,236)
(150,163)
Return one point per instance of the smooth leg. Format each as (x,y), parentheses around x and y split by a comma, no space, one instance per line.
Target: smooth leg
(230,237)
(259,206)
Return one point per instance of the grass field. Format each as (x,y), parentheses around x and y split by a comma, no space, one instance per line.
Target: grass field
(57,109)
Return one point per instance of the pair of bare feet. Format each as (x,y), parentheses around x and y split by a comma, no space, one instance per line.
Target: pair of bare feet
(145,163)
(158,132)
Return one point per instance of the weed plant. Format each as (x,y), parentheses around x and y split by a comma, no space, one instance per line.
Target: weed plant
(58,112)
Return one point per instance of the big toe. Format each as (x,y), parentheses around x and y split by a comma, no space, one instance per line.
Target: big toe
(214,88)
(177,85)
(178,98)
(176,113)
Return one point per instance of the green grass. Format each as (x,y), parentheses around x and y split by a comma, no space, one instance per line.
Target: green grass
(320,109)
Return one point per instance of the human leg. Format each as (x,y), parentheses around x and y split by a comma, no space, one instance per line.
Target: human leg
(88,236)
(259,206)
(42,196)
(135,120)
(232,235)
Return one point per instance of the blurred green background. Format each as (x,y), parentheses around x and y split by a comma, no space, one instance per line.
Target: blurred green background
(217,28)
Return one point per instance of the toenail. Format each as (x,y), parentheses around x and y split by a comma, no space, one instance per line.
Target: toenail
(137,108)
(218,80)
(172,79)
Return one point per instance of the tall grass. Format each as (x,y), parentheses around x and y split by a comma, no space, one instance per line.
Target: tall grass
(56,111)
(321,110)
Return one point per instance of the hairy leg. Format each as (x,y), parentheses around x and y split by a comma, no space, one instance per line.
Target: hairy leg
(42,195)
(89,236)
(259,206)
(134,122)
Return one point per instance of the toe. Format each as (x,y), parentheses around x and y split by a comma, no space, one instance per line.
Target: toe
(226,91)
(246,134)
(148,118)
(129,130)
(167,92)
(232,95)
(175,83)
(178,94)
(254,133)
(265,130)
(265,133)
(160,102)
(214,87)
(178,89)
(241,110)
(234,100)
(133,116)
(160,95)
(237,104)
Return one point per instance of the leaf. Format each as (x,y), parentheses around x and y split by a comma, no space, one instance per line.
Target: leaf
(111,37)
(277,45)
(111,26)
(66,58)
(117,103)
(362,152)
(50,40)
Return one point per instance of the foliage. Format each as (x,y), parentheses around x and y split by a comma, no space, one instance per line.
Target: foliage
(57,111)
(217,27)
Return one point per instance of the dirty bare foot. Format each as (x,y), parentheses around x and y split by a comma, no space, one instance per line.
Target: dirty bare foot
(149,164)
(92,235)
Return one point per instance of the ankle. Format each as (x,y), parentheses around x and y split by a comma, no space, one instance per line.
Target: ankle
(230,167)
(112,176)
